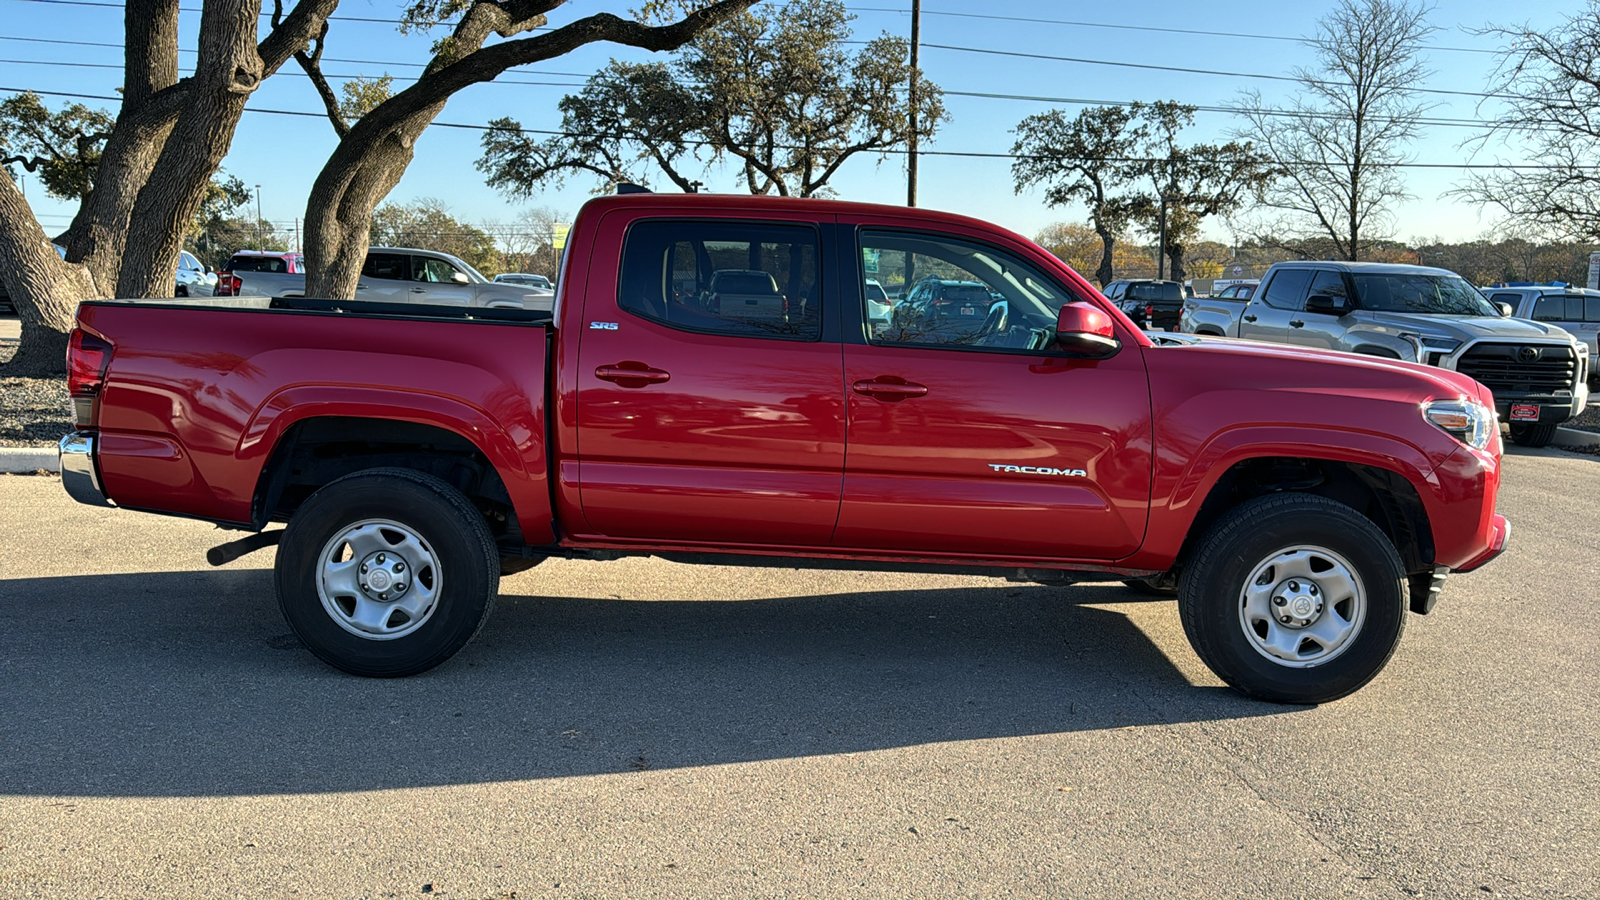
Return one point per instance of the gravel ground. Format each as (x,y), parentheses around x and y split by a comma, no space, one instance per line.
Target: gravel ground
(1589,421)
(34,412)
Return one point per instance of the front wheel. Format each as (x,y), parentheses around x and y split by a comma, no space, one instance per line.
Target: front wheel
(1294,598)
(387,572)
(1527,434)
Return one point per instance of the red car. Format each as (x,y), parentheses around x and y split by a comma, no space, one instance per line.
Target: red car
(1298,503)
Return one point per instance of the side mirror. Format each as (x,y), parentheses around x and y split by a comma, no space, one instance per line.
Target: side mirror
(460,278)
(1083,330)
(1327,305)
(1505,309)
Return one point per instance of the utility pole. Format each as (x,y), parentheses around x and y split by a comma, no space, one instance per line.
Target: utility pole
(261,243)
(911,155)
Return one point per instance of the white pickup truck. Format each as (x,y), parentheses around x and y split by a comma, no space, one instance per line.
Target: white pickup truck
(393,275)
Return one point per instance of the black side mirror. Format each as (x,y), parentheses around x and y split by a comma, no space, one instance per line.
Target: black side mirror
(1327,304)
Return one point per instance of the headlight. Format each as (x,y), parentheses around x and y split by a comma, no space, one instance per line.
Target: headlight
(1468,421)
(1432,344)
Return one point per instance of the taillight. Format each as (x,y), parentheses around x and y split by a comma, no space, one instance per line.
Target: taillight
(88,357)
(1149,310)
(228,285)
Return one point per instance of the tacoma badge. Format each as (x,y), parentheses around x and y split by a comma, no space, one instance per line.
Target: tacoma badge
(1038,470)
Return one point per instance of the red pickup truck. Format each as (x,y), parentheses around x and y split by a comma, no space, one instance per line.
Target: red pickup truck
(714,385)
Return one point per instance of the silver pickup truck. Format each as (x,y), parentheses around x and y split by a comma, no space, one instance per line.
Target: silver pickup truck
(397,275)
(1537,372)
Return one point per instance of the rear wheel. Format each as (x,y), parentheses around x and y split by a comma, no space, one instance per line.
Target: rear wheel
(386,572)
(1528,434)
(1294,598)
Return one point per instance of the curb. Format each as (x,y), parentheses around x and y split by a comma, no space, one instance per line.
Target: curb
(1573,437)
(27,460)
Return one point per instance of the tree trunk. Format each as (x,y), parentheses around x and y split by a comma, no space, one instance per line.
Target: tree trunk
(1106,272)
(44,289)
(228,71)
(1175,254)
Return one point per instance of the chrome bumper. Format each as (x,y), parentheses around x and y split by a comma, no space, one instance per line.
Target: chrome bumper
(78,473)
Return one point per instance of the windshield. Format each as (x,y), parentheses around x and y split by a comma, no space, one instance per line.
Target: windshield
(1447,295)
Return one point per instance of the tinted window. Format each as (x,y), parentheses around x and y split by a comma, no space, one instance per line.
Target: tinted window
(1287,290)
(1155,292)
(1591,311)
(1545,309)
(730,278)
(258,264)
(1574,308)
(391,266)
(1330,284)
(968,295)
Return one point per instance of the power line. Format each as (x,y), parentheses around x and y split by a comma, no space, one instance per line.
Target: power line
(1181,69)
(329,75)
(960,154)
(1149,28)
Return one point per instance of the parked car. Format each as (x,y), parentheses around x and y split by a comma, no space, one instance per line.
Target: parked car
(523,278)
(415,453)
(1153,304)
(193,278)
(1538,372)
(1574,310)
(946,310)
(5,296)
(879,306)
(391,275)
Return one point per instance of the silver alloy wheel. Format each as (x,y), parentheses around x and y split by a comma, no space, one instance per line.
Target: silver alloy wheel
(1302,606)
(378,579)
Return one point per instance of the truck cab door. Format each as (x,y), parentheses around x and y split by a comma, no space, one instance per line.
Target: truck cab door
(1274,305)
(384,278)
(1323,330)
(698,421)
(974,436)
(433,281)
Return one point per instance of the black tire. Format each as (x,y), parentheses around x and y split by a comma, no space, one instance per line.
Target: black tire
(182,291)
(447,535)
(1249,541)
(1150,588)
(1527,434)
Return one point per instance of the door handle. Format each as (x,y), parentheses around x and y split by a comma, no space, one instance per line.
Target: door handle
(1249,318)
(1296,323)
(419,290)
(631,374)
(889,388)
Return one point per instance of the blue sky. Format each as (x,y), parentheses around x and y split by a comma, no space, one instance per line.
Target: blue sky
(283,154)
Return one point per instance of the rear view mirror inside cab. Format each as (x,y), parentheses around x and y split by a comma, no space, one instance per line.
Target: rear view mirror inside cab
(1082,329)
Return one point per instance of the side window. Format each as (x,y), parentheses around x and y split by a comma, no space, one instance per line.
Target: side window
(433,271)
(968,295)
(1591,311)
(1329,283)
(391,266)
(1287,289)
(740,278)
(1574,308)
(1549,309)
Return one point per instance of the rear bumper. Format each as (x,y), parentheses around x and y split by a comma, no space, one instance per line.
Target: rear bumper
(80,474)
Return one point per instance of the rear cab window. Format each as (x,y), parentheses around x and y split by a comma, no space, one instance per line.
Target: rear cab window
(747,279)
(1287,289)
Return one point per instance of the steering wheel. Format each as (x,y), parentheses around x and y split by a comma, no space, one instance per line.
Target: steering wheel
(998,321)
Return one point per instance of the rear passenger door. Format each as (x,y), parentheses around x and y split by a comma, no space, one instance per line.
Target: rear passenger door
(699,423)
(383,278)
(1266,317)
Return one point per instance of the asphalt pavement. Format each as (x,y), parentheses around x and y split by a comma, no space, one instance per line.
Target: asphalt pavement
(645,729)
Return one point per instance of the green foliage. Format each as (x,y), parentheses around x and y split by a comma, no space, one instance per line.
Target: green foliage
(426,224)
(774,89)
(362,95)
(61,148)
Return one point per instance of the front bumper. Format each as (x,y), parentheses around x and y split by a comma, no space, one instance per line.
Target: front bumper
(1500,535)
(80,474)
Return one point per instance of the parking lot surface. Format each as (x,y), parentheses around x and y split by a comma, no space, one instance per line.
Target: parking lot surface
(640,728)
